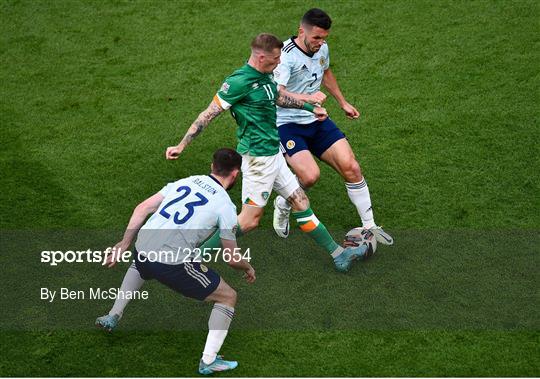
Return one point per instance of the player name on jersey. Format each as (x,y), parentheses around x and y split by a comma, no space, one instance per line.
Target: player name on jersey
(205,186)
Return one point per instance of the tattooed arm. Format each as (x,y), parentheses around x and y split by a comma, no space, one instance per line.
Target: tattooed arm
(317,98)
(286,101)
(195,129)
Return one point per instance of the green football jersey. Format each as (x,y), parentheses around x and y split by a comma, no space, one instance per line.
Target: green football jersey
(251,96)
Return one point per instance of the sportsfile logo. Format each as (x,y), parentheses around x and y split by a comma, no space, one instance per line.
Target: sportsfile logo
(182,255)
(53,258)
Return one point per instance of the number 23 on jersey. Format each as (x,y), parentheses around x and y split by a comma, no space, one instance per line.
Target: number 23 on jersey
(182,211)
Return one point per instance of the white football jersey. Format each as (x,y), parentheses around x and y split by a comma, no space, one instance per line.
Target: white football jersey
(300,73)
(192,209)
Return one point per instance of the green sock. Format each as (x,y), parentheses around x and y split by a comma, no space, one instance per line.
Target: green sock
(310,224)
(214,242)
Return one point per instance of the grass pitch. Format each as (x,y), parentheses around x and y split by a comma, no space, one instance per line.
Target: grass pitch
(92,94)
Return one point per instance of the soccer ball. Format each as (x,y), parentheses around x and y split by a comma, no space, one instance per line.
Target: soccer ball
(359,237)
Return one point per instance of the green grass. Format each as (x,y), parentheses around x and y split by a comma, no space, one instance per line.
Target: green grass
(277,354)
(92,93)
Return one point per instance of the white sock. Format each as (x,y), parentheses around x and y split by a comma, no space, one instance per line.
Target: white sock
(359,195)
(218,327)
(132,282)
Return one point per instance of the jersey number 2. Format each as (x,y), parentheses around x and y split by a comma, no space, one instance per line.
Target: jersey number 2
(314,80)
(189,206)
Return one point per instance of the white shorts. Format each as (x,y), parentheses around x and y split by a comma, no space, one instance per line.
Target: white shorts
(262,174)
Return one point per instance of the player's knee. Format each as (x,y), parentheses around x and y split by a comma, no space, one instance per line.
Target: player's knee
(308,180)
(230,297)
(352,172)
(248,220)
(249,224)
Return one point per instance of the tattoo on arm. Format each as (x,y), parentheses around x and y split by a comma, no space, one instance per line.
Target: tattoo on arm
(288,102)
(201,122)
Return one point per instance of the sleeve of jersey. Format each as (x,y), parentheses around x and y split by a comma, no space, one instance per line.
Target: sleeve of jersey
(282,72)
(232,91)
(228,223)
(165,190)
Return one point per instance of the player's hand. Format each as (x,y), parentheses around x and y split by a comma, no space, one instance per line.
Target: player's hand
(114,254)
(350,111)
(320,113)
(249,275)
(173,152)
(317,98)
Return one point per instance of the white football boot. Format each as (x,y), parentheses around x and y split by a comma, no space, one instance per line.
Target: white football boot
(281,219)
(381,236)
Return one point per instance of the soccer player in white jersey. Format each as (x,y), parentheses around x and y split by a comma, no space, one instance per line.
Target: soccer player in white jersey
(185,213)
(305,65)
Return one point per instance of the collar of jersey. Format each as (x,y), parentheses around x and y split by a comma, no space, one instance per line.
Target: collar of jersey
(255,70)
(299,48)
(215,180)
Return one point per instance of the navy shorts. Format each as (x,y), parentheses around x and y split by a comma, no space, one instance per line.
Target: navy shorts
(191,279)
(316,137)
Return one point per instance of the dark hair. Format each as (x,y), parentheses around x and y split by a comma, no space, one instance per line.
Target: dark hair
(317,17)
(266,42)
(225,161)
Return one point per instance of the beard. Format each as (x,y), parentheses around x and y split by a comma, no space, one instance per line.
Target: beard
(309,47)
(231,185)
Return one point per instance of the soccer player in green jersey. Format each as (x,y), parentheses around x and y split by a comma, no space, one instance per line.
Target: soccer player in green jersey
(252,95)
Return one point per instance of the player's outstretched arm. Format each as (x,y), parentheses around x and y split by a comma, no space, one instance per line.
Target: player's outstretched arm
(136,221)
(285,101)
(330,83)
(206,116)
